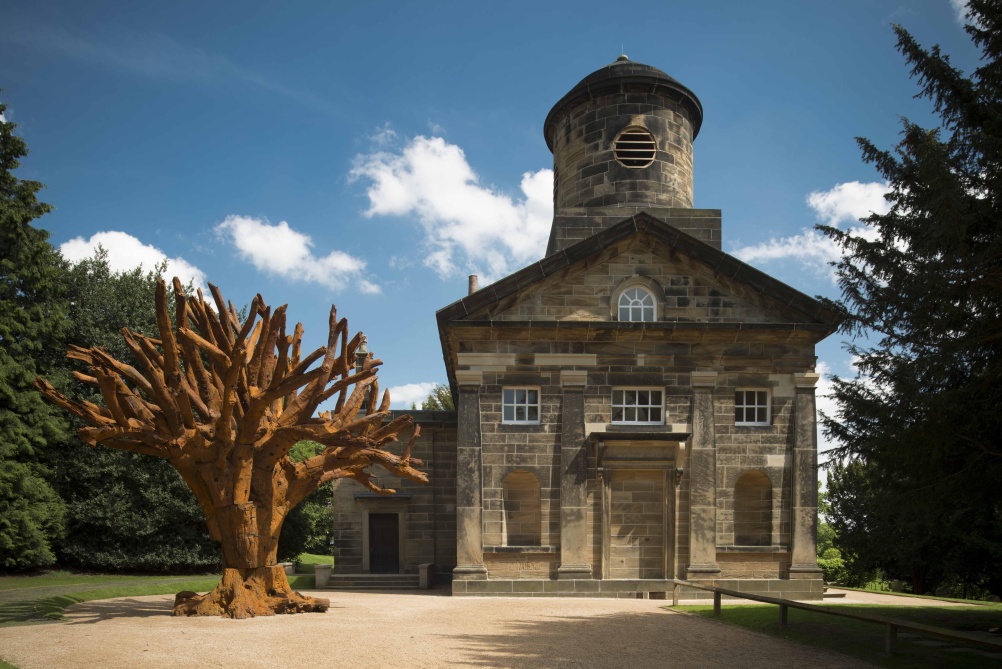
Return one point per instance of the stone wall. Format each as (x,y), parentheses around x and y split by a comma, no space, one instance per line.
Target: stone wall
(760,362)
(533,449)
(686,291)
(741,450)
(573,224)
(586,171)
(429,511)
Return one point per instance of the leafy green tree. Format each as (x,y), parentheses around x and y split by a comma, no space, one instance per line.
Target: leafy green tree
(32,316)
(439,399)
(915,484)
(309,528)
(124,511)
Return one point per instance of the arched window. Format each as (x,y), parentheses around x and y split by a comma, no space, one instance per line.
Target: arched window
(753,509)
(637,304)
(523,520)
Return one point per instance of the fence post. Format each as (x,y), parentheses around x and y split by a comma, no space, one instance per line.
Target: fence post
(716,604)
(784,613)
(891,638)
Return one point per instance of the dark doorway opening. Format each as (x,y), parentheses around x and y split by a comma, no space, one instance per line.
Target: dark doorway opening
(384,543)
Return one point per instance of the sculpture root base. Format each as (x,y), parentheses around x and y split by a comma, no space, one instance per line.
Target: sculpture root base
(246,593)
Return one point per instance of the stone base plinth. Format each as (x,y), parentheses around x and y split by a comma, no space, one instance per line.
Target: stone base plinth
(469,572)
(574,572)
(800,589)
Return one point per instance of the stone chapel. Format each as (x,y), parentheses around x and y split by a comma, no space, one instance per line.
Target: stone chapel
(637,406)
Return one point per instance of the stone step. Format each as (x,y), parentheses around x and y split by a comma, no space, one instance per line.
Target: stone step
(373,581)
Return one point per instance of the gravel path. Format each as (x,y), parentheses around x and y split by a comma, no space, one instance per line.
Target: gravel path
(403,630)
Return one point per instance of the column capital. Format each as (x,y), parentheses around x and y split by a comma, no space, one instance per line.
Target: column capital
(703,379)
(806,379)
(573,379)
(466,378)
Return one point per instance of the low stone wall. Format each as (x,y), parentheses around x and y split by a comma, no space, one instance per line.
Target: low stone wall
(801,589)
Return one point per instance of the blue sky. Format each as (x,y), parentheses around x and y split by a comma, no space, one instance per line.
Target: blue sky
(382,151)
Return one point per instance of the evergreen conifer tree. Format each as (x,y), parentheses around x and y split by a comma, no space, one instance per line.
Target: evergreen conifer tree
(32,317)
(915,485)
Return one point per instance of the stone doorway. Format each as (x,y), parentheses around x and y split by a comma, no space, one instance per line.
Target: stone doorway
(384,543)
(637,524)
(638,478)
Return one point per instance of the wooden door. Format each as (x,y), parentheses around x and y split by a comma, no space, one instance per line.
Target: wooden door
(384,543)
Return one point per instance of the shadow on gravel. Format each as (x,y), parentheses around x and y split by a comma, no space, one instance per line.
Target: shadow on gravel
(654,639)
(617,640)
(88,613)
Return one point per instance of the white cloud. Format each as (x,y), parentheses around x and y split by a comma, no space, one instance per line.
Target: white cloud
(283,251)
(849,202)
(845,204)
(467,225)
(825,403)
(125,253)
(383,135)
(810,248)
(410,393)
(960,10)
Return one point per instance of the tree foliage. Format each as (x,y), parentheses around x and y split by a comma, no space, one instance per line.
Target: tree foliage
(439,399)
(914,488)
(124,511)
(309,527)
(31,322)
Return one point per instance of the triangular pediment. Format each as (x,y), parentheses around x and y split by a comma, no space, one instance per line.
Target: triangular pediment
(693,282)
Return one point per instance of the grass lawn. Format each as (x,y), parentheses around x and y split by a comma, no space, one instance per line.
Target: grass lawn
(26,600)
(866,640)
(307,561)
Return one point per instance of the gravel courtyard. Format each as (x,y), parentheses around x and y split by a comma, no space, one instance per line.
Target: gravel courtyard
(364,629)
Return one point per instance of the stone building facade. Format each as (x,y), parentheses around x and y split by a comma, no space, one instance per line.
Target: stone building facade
(635,407)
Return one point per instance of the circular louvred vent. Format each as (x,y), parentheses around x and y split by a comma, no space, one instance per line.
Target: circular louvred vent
(635,147)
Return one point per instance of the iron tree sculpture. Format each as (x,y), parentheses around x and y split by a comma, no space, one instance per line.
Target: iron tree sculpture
(224,402)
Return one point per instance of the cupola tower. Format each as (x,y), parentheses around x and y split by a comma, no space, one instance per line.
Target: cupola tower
(621,138)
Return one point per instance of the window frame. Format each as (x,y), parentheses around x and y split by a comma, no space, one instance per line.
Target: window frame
(624,406)
(622,295)
(515,405)
(745,406)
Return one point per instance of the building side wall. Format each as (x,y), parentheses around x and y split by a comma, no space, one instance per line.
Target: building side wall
(429,510)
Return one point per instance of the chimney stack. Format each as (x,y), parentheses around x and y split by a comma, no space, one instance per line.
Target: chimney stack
(474,287)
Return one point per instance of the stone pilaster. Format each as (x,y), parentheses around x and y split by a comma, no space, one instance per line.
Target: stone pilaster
(703,480)
(804,528)
(469,487)
(574,546)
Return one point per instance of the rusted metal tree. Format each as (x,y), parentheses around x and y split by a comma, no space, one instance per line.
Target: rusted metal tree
(224,402)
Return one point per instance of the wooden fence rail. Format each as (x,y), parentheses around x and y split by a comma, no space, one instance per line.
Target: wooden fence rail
(892,625)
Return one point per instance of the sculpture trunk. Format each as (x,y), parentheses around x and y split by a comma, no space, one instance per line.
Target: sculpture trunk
(253,583)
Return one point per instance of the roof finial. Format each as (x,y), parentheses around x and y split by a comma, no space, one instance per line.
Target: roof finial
(622,55)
